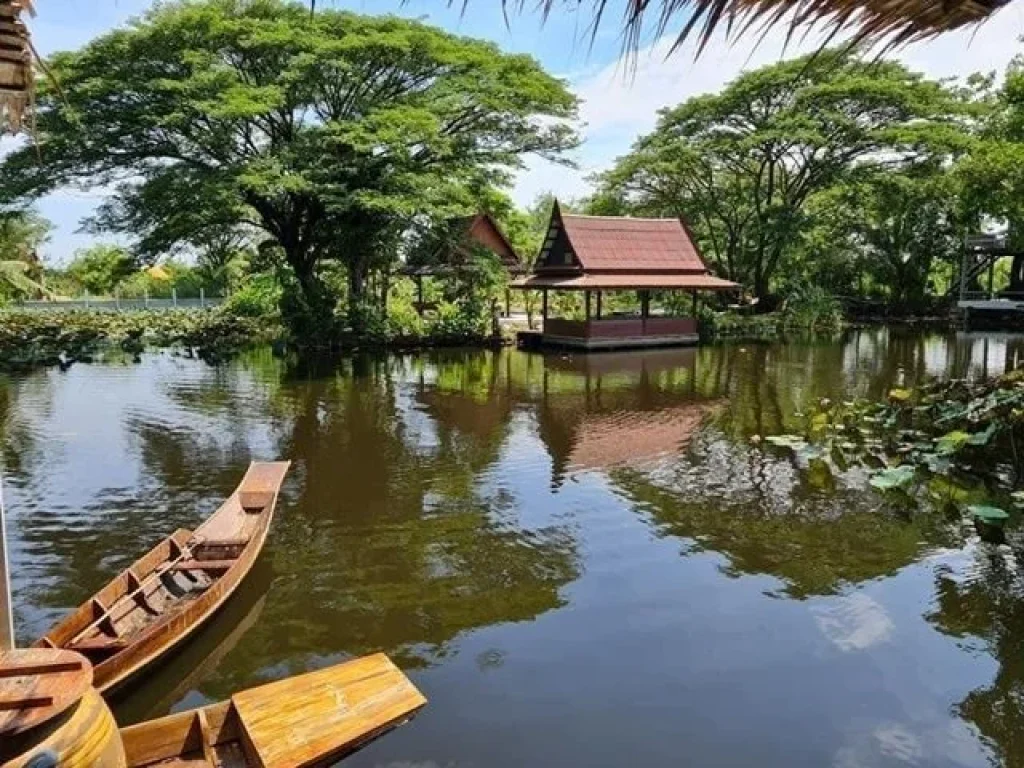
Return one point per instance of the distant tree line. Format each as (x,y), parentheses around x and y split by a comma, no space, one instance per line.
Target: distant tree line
(297,160)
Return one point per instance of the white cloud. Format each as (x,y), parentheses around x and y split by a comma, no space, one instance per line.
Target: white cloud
(621,103)
(854,622)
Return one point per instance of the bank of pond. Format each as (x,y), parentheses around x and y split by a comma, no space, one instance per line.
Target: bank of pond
(41,338)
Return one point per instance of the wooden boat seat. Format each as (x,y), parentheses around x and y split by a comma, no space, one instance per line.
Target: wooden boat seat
(203,565)
(259,487)
(312,718)
(221,543)
(97,643)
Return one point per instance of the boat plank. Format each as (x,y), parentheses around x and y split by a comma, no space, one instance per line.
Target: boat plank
(305,719)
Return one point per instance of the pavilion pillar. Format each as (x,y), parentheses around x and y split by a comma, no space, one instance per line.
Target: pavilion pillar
(419,294)
(645,309)
(508,302)
(991,276)
(587,302)
(600,294)
(544,305)
(693,304)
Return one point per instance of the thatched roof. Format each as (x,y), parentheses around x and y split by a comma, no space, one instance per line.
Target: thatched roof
(886,22)
(16,77)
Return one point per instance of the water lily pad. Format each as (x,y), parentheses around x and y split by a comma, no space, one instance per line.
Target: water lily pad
(893,477)
(951,442)
(982,438)
(990,515)
(786,441)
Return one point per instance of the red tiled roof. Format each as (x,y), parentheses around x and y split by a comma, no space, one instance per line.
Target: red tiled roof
(614,243)
(626,282)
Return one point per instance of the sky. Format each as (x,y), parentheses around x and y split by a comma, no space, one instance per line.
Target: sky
(618,104)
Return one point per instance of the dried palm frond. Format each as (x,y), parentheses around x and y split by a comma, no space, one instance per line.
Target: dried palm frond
(885,22)
(16,76)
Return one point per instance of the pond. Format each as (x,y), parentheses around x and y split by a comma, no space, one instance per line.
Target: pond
(579,560)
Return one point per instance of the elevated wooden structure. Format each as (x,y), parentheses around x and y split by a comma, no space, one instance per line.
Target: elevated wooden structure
(978,298)
(449,253)
(597,254)
(169,593)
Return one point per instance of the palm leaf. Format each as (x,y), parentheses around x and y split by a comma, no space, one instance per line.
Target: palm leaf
(14,274)
(888,22)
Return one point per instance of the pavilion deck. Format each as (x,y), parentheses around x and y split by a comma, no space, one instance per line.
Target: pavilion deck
(619,332)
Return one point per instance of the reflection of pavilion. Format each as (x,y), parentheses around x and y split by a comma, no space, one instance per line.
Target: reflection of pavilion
(618,409)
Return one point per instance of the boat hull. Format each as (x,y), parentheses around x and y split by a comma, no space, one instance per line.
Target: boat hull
(183,615)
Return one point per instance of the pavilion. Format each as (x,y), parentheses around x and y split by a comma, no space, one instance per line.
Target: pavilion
(598,254)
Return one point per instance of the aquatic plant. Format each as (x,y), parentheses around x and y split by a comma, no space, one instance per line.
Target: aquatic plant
(954,443)
(30,339)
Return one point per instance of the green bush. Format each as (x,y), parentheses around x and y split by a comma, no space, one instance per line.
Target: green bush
(47,338)
(404,322)
(259,296)
(812,307)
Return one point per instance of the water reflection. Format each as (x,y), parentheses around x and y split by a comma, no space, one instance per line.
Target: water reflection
(511,526)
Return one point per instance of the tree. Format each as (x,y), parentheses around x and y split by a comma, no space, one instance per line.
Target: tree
(100,268)
(740,165)
(328,133)
(22,232)
(893,227)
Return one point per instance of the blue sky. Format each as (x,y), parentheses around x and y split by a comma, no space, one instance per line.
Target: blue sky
(616,108)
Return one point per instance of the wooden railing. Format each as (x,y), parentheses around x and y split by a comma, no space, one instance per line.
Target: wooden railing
(620,327)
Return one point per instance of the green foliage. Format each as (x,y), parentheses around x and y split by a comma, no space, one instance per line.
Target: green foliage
(330,134)
(29,339)
(22,232)
(259,296)
(892,478)
(812,307)
(742,165)
(959,439)
(99,268)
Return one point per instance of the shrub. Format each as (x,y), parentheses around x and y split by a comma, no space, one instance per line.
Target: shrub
(404,322)
(812,307)
(260,296)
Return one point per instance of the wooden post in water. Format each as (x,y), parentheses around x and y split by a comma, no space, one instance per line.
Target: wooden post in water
(6,606)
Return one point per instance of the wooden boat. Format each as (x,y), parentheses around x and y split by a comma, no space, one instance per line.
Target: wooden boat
(182,672)
(164,597)
(308,720)
(49,709)
(50,715)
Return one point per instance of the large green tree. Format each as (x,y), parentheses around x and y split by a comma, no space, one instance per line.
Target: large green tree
(740,165)
(891,233)
(328,133)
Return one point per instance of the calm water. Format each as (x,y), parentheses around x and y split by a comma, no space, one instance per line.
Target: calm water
(581,561)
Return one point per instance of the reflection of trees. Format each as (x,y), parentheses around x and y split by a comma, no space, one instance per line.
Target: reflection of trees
(811,533)
(397,539)
(392,534)
(986,604)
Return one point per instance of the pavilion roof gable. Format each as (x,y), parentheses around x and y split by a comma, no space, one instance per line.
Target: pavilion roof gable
(622,244)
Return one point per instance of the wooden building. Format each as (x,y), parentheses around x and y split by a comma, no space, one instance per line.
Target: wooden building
(449,251)
(599,254)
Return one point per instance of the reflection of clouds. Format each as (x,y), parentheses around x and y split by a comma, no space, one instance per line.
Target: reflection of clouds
(853,622)
(897,744)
